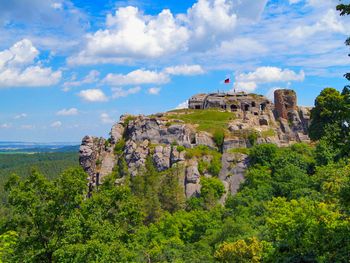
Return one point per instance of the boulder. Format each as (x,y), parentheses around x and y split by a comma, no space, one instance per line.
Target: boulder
(161,157)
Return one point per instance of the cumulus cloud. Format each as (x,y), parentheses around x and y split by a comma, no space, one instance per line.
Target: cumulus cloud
(154,91)
(137,77)
(182,105)
(129,35)
(120,92)
(56,124)
(67,112)
(93,95)
(249,81)
(186,70)
(18,67)
(106,119)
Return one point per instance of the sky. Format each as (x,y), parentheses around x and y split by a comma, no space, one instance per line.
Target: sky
(70,68)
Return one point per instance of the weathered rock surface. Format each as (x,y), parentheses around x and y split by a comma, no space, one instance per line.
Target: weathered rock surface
(257,120)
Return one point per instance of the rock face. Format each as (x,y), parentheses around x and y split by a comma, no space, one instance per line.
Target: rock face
(167,140)
(285,102)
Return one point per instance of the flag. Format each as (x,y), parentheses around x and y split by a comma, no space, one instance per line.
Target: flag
(227,81)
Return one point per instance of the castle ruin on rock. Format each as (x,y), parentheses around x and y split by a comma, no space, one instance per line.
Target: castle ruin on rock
(282,123)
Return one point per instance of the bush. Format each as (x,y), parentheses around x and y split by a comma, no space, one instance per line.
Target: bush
(252,137)
(215,166)
(119,147)
(219,137)
(180,148)
(263,154)
(212,187)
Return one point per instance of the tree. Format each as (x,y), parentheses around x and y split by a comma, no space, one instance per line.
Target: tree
(328,110)
(39,209)
(7,242)
(240,251)
(306,231)
(345,10)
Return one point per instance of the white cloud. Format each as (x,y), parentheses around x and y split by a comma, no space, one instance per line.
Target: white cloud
(56,124)
(106,119)
(292,2)
(56,5)
(270,93)
(120,92)
(68,112)
(249,81)
(27,127)
(182,105)
(186,70)
(154,91)
(5,126)
(92,77)
(330,22)
(210,21)
(93,95)
(137,77)
(130,34)
(18,67)
(20,116)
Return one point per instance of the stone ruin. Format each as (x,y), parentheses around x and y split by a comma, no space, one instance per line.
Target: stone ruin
(234,102)
(285,102)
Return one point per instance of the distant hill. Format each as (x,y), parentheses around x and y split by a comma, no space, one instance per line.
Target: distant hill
(32,147)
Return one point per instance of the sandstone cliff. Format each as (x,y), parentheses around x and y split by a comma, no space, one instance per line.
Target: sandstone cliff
(188,139)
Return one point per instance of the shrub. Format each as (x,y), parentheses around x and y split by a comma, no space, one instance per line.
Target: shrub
(119,147)
(212,187)
(180,148)
(215,166)
(252,137)
(219,137)
(263,154)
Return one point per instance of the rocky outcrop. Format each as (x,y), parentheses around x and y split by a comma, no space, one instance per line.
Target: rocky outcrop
(167,140)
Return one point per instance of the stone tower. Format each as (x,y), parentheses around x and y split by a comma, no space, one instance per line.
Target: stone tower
(285,102)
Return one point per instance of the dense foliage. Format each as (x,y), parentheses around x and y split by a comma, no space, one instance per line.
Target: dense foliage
(50,164)
(291,208)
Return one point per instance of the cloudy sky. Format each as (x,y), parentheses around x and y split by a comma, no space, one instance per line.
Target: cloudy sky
(70,67)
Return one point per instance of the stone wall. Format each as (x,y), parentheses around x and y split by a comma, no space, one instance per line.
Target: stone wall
(285,102)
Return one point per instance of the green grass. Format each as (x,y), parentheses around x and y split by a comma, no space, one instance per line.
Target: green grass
(209,120)
(239,150)
(268,133)
(198,152)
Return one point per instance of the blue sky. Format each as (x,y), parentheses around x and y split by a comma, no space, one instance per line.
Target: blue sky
(71,68)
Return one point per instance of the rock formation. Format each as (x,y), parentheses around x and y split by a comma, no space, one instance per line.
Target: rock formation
(168,138)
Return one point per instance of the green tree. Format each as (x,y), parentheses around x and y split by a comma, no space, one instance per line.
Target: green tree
(171,192)
(263,154)
(39,208)
(240,251)
(7,242)
(306,231)
(212,189)
(345,10)
(328,110)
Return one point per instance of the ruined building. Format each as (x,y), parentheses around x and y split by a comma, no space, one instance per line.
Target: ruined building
(234,102)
